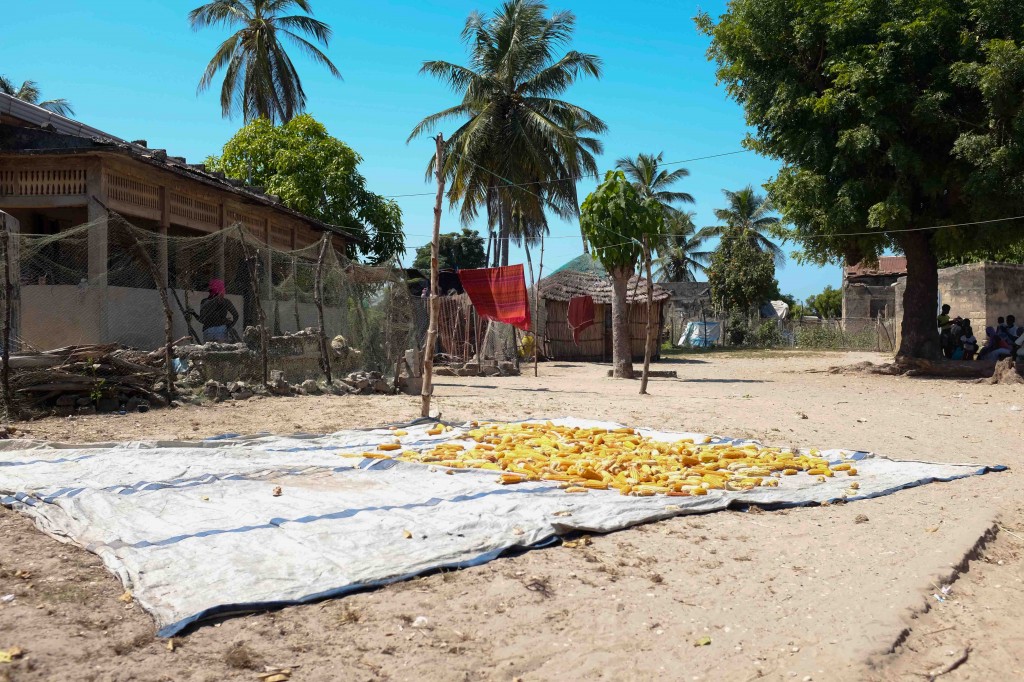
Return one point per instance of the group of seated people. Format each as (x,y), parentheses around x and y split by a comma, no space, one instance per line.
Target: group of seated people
(959,342)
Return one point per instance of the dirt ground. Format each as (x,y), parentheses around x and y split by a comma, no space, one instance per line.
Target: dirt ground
(922,584)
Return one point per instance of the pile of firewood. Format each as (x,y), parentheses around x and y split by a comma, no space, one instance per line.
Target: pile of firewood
(87,379)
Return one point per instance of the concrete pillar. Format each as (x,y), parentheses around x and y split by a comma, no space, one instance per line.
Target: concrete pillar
(221,267)
(162,246)
(98,244)
(98,233)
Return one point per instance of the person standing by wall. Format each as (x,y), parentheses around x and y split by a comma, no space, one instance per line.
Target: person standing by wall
(216,313)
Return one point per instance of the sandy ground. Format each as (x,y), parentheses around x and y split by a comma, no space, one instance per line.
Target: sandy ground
(842,592)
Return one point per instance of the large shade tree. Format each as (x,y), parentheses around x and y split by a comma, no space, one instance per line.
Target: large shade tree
(29,92)
(615,219)
(519,148)
(259,76)
(316,174)
(748,216)
(891,118)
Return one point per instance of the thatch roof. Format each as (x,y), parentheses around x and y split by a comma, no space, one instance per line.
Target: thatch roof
(584,276)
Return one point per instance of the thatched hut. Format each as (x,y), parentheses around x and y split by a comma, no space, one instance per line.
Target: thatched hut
(584,276)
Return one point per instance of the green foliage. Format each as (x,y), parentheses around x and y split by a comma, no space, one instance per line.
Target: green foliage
(317,175)
(679,256)
(741,275)
(886,115)
(515,134)
(748,215)
(614,219)
(259,78)
(1008,253)
(828,304)
(29,92)
(768,334)
(455,251)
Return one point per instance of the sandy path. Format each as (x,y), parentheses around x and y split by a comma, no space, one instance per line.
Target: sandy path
(782,595)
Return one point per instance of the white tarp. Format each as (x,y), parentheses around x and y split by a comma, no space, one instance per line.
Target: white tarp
(701,334)
(194,529)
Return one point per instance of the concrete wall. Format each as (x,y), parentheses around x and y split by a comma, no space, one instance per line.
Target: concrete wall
(1004,292)
(982,292)
(963,288)
(62,315)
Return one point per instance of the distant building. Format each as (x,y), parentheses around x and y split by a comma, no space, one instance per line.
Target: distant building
(869,291)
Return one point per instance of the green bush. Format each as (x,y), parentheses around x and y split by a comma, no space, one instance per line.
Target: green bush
(767,335)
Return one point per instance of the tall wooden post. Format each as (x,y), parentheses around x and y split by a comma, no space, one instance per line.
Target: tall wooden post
(428,355)
(650,316)
(318,299)
(5,378)
(536,309)
(251,262)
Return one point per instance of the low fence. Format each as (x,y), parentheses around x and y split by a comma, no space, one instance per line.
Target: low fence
(868,334)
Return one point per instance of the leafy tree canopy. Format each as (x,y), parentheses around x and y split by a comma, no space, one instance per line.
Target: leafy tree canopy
(614,219)
(317,175)
(888,116)
(828,304)
(455,251)
(741,275)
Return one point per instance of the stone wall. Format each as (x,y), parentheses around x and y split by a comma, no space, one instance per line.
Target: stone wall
(982,292)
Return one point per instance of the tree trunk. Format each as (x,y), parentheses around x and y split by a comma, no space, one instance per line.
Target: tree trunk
(506,230)
(648,341)
(920,300)
(622,357)
(435,301)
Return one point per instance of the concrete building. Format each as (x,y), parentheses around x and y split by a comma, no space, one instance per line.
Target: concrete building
(981,292)
(56,174)
(869,292)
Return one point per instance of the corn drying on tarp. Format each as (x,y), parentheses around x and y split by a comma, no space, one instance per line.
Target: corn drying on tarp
(198,529)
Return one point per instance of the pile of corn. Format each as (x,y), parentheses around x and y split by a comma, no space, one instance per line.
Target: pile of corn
(583,459)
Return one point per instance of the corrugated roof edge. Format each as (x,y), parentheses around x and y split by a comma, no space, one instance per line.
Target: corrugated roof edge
(44,118)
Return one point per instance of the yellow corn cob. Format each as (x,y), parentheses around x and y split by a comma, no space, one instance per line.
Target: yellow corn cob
(387,447)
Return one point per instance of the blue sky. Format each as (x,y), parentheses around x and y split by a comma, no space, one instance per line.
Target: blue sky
(130,67)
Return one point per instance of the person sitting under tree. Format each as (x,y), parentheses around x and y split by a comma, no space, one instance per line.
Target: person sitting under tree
(214,313)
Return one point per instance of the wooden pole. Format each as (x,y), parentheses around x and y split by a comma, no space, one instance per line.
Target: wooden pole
(261,317)
(428,355)
(536,308)
(5,378)
(650,316)
(318,299)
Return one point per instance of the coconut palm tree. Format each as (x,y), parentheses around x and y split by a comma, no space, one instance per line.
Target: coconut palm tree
(514,152)
(747,216)
(653,182)
(679,256)
(259,77)
(28,91)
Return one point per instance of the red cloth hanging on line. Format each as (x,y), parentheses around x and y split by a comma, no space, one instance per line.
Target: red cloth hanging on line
(499,294)
(581,315)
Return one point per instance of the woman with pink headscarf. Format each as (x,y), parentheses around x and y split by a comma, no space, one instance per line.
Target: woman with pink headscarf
(214,313)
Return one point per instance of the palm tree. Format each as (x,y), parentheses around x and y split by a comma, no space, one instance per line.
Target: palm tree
(653,182)
(679,258)
(747,217)
(514,153)
(28,91)
(579,154)
(260,79)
